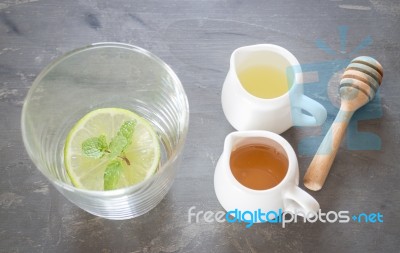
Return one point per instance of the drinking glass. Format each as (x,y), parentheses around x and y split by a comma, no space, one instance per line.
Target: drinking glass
(98,76)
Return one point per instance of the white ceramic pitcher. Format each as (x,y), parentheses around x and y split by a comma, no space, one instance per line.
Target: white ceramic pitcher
(245,111)
(286,195)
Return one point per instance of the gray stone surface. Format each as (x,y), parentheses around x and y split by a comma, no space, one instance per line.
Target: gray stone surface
(196,39)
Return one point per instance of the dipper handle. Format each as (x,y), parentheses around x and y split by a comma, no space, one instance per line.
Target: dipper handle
(321,164)
(358,86)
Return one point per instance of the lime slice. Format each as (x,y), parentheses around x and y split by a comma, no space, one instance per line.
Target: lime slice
(143,153)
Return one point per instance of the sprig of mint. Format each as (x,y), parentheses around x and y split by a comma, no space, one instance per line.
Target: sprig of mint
(97,147)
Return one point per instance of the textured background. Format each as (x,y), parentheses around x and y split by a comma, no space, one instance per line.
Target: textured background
(196,39)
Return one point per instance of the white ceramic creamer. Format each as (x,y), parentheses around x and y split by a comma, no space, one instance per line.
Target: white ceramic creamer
(245,111)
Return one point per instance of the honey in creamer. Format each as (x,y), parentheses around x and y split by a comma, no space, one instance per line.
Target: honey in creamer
(258,166)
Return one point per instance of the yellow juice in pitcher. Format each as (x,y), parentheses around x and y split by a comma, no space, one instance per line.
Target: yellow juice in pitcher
(264,81)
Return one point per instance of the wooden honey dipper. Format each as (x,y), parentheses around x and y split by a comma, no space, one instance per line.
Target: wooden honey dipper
(358,86)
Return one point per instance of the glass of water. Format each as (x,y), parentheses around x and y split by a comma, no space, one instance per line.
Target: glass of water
(98,76)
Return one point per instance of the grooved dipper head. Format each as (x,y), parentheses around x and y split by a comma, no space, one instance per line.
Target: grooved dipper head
(360,82)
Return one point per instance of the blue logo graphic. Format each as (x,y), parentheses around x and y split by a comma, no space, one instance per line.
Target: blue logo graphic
(319,89)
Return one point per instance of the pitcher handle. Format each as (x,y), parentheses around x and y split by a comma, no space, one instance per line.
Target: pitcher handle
(316,110)
(297,201)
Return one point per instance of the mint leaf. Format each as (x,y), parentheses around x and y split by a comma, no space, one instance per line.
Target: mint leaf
(127,128)
(117,145)
(112,174)
(95,147)
(122,139)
